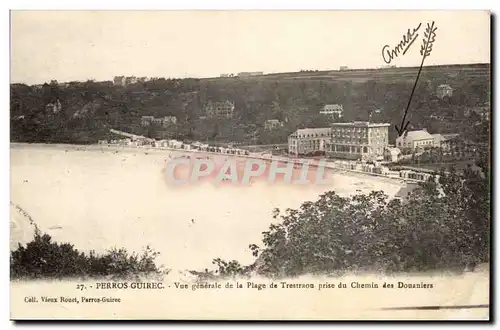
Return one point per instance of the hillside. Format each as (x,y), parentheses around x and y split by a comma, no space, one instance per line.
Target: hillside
(89,108)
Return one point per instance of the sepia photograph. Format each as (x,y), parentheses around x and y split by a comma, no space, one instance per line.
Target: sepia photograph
(250,165)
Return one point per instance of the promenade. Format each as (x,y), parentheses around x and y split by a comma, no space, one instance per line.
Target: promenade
(342,165)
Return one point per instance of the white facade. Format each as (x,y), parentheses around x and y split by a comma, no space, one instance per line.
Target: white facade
(164,121)
(308,140)
(54,107)
(333,109)
(440,139)
(220,109)
(443,91)
(124,81)
(146,120)
(415,140)
(119,80)
(272,124)
(130,80)
(250,74)
(358,140)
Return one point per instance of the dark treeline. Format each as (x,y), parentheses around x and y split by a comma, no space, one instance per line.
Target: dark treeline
(44,259)
(90,108)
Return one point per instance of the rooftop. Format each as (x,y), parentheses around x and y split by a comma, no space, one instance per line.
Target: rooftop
(313,131)
(333,107)
(418,135)
(361,124)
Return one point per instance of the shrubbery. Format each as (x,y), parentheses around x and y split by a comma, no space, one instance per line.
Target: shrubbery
(44,259)
(443,225)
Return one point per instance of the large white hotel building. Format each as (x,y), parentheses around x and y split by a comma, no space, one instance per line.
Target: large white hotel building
(355,140)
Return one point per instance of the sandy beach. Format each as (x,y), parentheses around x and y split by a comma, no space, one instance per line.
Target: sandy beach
(98,197)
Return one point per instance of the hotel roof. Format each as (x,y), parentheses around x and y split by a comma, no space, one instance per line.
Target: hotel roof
(418,135)
(361,124)
(316,131)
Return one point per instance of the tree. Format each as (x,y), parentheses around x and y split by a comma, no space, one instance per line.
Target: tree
(44,259)
(444,224)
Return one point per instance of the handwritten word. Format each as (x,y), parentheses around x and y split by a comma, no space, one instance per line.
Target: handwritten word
(425,51)
(403,46)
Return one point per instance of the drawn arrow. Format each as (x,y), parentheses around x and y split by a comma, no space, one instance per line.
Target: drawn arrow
(425,51)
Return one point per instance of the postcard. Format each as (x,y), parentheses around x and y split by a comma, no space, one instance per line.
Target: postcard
(250,165)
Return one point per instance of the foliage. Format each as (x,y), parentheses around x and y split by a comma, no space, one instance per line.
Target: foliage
(44,259)
(296,102)
(228,269)
(444,224)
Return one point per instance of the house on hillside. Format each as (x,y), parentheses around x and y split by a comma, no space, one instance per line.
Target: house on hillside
(443,91)
(415,140)
(437,117)
(119,80)
(163,121)
(146,120)
(224,109)
(439,139)
(250,74)
(130,80)
(54,107)
(36,88)
(333,110)
(272,124)
(124,81)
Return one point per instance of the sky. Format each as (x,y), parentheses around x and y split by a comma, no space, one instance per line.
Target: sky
(81,45)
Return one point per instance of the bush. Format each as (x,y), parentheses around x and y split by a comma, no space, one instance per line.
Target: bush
(44,259)
(442,226)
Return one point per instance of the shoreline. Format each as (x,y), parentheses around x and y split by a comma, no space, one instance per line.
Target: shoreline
(160,150)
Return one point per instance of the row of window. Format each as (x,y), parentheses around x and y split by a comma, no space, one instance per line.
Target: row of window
(351,141)
(309,143)
(357,129)
(350,129)
(314,135)
(360,141)
(417,143)
(350,135)
(343,148)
